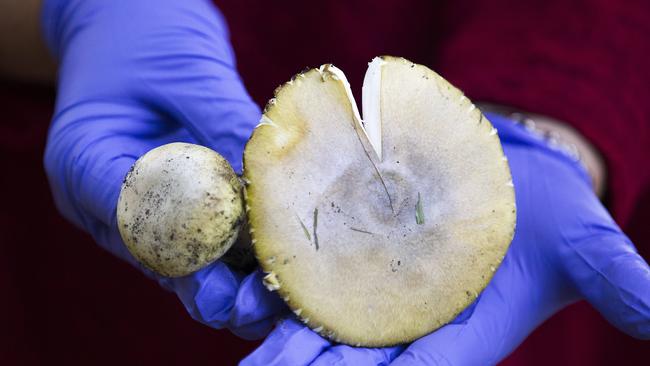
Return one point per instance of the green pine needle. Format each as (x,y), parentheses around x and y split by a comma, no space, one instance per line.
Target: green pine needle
(419,213)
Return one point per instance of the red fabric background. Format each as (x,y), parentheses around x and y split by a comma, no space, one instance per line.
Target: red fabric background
(66,301)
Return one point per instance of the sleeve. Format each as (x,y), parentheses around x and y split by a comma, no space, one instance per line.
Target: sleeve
(580,62)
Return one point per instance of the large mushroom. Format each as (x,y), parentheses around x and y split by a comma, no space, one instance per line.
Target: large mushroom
(377,231)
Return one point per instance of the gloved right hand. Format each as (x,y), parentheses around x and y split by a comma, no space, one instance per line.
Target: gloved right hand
(566,248)
(133,75)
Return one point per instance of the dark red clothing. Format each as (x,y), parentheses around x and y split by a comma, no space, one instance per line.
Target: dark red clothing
(67,301)
(584,62)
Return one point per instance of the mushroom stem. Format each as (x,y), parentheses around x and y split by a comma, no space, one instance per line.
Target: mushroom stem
(240,256)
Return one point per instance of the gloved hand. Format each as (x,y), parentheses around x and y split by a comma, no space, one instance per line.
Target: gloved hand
(566,247)
(133,75)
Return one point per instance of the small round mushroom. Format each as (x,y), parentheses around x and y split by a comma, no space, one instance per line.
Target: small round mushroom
(180,208)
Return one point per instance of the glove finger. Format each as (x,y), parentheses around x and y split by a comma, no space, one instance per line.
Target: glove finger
(256,308)
(598,258)
(197,82)
(219,297)
(209,294)
(290,343)
(343,355)
(607,271)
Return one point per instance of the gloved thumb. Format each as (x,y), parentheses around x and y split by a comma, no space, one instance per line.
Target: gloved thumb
(471,341)
(505,313)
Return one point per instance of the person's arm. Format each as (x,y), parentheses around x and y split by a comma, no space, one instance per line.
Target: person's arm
(23,54)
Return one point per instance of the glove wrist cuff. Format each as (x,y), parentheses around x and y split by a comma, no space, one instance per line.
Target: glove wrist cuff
(544,135)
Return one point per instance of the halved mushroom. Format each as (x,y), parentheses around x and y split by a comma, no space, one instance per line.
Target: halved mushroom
(377,231)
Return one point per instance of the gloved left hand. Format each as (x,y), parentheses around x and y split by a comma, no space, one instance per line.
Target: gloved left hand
(136,74)
(566,247)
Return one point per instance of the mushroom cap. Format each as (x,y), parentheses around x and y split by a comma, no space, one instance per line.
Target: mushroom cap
(377,232)
(180,208)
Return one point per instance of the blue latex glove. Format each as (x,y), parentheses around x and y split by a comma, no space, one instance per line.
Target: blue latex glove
(566,247)
(133,75)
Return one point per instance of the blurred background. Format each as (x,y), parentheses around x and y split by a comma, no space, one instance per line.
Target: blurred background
(64,300)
